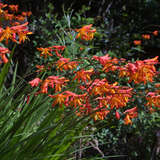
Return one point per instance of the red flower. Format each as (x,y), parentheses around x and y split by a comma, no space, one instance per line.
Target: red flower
(137,42)
(3,52)
(134,109)
(13,8)
(130,114)
(117,115)
(103,59)
(146,36)
(40,68)
(35,82)
(58,49)
(107,62)
(155,33)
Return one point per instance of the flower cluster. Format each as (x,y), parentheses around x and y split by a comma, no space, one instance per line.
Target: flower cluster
(66,64)
(153,98)
(12,27)
(14,31)
(146,37)
(55,82)
(86,33)
(45,52)
(87,91)
(10,12)
(107,63)
(140,71)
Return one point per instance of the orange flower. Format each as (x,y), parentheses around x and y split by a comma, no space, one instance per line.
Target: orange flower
(22,31)
(137,42)
(140,71)
(45,52)
(130,114)
(40,68)
(23,36)
(68,98)
(44,86)
(100,114)
(7,34)
(127,120)
(123,72)
(57,82)
(83,75)
(4,58)
(153,99)
(90,86)
(58,99)
(110,65)
(74,99)
(8,16)
(157,85)
(107,62)
(26,13)
(13,8)
(3,5)
(81,48)
(10,33)
(86,33)
(155,33)
(20,18)
(114,100)
(103,59)
(146,36)
(1,8)
(15,23)
(111,95)
(64,63)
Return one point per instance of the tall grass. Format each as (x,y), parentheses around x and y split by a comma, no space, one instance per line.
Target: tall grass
(35,130)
